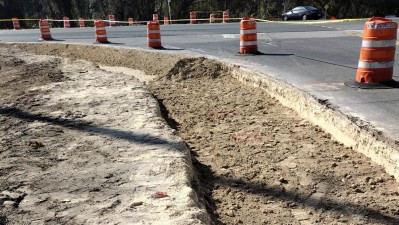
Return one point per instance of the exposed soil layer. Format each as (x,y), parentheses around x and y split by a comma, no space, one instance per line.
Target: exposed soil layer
(80,145)
(257,161)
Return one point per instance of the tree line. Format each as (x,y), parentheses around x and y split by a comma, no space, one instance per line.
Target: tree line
(142,10)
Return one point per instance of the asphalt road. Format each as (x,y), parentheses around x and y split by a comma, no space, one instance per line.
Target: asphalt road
(317,58)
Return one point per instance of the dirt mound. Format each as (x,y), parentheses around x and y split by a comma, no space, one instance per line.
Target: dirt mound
(157,63)
(161,64)
(196,68)
(17,75)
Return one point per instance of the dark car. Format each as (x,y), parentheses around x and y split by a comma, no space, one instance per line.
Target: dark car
(303,13)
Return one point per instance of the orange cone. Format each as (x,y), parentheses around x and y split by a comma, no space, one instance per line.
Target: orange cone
(155,18)
(225,16)
(193,17)
(81,23)
(44,27)
(130,21)
(111,19)
(212,18)
(15,23)
(101,33)
(377,54)
(248,36)
(153,35)
(165,20)
(67,24)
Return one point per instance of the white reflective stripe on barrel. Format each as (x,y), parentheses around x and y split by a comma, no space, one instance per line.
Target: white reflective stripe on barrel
(152,31)
(248,43)
(153,40)
(376,65)
(378,44)
(100,28)
(102,35)
(250,31)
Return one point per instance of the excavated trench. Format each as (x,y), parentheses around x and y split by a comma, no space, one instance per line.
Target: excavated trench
(263,151)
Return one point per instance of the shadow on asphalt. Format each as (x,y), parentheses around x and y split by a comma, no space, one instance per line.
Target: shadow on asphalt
(174,49)
(109,43)
(42,40)
(266,54)
(169,49)
(330,63)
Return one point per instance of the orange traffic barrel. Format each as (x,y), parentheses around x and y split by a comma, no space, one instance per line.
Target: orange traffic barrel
(130,21)
(101,33)
(15,23)
(166,20)
(377,54)
(67,24)
(111,19)
(225,16)
(248,36)
(155,18)
(153,34)
(44,27)
(81,22)
(193,17)
(212,18)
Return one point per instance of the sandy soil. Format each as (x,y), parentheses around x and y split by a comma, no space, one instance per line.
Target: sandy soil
(259,163)
(80,145)
(256,161)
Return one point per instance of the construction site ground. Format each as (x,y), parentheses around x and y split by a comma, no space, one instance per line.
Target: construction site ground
(96,138)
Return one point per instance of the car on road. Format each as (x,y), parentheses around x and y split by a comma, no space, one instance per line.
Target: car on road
(303,13)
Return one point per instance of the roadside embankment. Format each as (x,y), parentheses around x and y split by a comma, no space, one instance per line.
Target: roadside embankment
(346,129)
(257,157)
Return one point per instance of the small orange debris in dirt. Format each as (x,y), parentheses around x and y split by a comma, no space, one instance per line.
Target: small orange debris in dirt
(160,194)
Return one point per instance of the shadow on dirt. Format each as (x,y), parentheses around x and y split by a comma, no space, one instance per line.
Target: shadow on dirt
(165,114)
(210,181)
(144,138)
(3,220)
(201,172)
(206,183)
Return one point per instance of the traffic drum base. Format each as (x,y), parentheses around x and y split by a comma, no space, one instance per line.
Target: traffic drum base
(386,85)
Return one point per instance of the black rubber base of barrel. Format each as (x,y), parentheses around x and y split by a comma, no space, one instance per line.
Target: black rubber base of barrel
(51,39)
(265,54)
(250,53)
(386,85)
(159,48)
(104,42)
